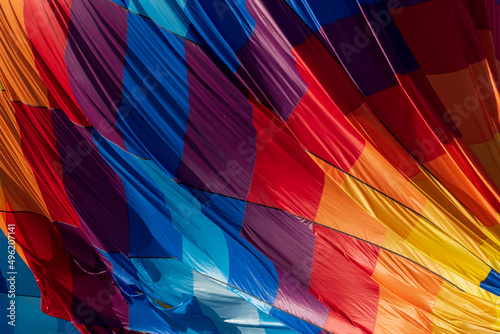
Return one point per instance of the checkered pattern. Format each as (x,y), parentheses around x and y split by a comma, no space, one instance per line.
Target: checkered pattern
(258,166)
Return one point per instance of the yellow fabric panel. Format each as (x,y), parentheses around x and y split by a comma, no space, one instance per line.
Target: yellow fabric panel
(496,325)
(408,227)
(17,64)
(431,294)
(493,233)
(394,243)
(427,197)
(441,327)
(440,248)
(377,172)
(390,272)
(492,249)
(20,186)
(443,205)
(454,218)
(467,315)
(440,196)
(469,238)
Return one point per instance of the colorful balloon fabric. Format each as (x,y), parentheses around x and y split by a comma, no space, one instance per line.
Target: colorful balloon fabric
(250,166)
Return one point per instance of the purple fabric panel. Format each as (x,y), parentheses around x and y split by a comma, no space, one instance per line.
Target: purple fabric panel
(96,298)
(471,44)
(77,245)
(359,53)
(267,63)
(294,298)
(94,189)
(493,9)
(284,239)
(389,38)
(95,58)
(219,145)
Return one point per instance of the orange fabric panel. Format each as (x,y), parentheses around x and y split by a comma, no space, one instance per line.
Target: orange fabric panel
(339,211)
(17,64)
(379,137)
(489,155)
(470,101)
(372,168)
(407,280)
(458,183)
(19,182)
(397,316)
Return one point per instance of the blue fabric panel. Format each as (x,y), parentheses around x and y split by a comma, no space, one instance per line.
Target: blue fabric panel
(224,25)
(151,229)
(247,264)
(165,280)
(143,316)
(492,283)
(204,244)
(294,323)
(123,271)
(319,12)
(167,13)
(390,39)
(191,317)
(154,109)
(123,3)
(29,318)
(25,281)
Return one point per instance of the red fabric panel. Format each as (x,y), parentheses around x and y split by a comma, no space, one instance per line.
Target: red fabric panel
(44,251)
(420,92)
(436,44)
(399,115)
(341,277)
(327,132)
(47,28)
(39,148)
(283,171)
